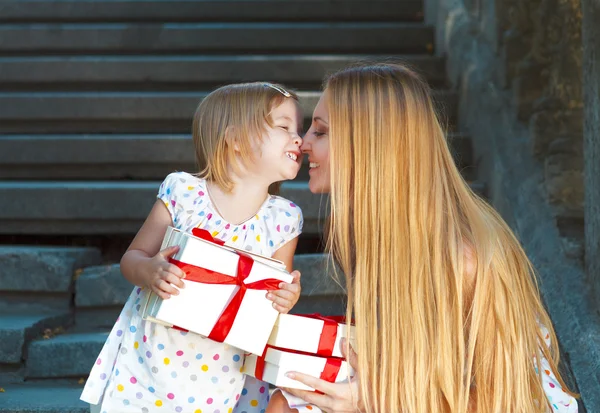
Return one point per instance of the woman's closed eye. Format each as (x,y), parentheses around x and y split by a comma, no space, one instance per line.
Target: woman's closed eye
(318,134)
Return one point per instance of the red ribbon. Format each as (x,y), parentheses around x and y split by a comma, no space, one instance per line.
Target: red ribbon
(202,275)
(329,333)
(329,373)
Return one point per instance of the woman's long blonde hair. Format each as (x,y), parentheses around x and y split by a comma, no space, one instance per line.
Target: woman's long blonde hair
(403,220)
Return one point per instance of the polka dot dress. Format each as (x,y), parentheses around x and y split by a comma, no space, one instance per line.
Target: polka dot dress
(146,367)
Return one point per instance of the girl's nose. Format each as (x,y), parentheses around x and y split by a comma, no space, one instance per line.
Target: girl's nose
(298,140)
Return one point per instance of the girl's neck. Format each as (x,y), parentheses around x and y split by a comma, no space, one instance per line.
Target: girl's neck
(242,203)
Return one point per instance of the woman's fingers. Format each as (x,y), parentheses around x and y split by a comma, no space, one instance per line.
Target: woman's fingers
(314,382)
(321,400)
(351,357)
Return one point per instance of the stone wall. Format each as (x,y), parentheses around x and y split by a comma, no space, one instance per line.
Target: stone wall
(591,72)
(517,66)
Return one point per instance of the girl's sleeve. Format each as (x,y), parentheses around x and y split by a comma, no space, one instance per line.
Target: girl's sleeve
(168,192)
(288,225)
(560,400)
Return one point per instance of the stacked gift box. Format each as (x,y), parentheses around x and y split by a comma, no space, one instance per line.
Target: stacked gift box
(228,288)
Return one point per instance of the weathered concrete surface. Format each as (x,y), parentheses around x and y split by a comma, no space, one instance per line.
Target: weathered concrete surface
(67,355)
(517,189)
(43,269)
(101,286)
(42,398)
(219,11)
(591,73)
(16,330)
(380,37)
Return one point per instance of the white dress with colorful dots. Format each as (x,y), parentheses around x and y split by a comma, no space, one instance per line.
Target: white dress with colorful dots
(146,367)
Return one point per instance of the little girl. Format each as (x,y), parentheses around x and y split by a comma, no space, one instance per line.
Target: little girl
(246,137)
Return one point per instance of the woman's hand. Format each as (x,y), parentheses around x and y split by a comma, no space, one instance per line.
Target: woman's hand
(288,294)
(336,397)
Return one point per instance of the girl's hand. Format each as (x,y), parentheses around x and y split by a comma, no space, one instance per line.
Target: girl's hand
(288,294)
(161,276)
(336,397)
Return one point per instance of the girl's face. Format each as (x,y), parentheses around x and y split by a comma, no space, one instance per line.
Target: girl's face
(279,153)
(316,146)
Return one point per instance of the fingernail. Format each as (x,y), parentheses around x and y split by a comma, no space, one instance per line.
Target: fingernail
(281,285)
(269,295)
(290,375)
(275,306)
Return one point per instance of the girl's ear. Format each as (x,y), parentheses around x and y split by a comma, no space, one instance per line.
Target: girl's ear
(231,138)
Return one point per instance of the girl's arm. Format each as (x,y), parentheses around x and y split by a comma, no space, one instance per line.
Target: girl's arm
(144,264)
(288,294)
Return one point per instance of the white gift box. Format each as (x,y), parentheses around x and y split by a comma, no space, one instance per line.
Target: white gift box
(278,362)
(199,306)
(308,334)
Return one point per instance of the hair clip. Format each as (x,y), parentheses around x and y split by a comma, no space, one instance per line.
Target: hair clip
(280,90)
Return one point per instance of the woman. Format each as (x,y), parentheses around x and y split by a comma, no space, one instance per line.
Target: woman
(447,311)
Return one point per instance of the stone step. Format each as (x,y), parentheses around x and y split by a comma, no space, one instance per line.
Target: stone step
(18,329)
(41,278)
(220,38)
(101,293)
(188,72)
(64,356)
(122,156)
(128,112)
(42,398)
(112,207)
(183,11)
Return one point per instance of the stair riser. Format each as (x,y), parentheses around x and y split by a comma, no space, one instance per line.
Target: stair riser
(210,11)
(168,38)
(13,341)
(88,208)
(124,157)
(302,72)
(128,112)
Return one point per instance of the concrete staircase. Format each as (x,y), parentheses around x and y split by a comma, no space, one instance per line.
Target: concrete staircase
(96,100)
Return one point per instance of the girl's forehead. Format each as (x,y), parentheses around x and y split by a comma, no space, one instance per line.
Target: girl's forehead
(288,108)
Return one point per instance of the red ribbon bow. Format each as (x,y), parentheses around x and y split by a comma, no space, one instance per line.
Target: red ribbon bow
(202,275)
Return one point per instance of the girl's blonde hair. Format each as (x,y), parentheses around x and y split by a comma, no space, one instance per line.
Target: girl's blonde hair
(233,115)
(403,223)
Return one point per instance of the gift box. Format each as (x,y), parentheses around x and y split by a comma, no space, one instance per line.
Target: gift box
(224,295)
(311,333)
(275,363)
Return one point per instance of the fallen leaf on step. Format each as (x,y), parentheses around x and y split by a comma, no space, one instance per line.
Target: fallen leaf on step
(2,390)
(81,380)
(77,273)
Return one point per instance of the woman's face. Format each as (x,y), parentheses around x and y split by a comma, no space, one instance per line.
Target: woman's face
(316,146)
